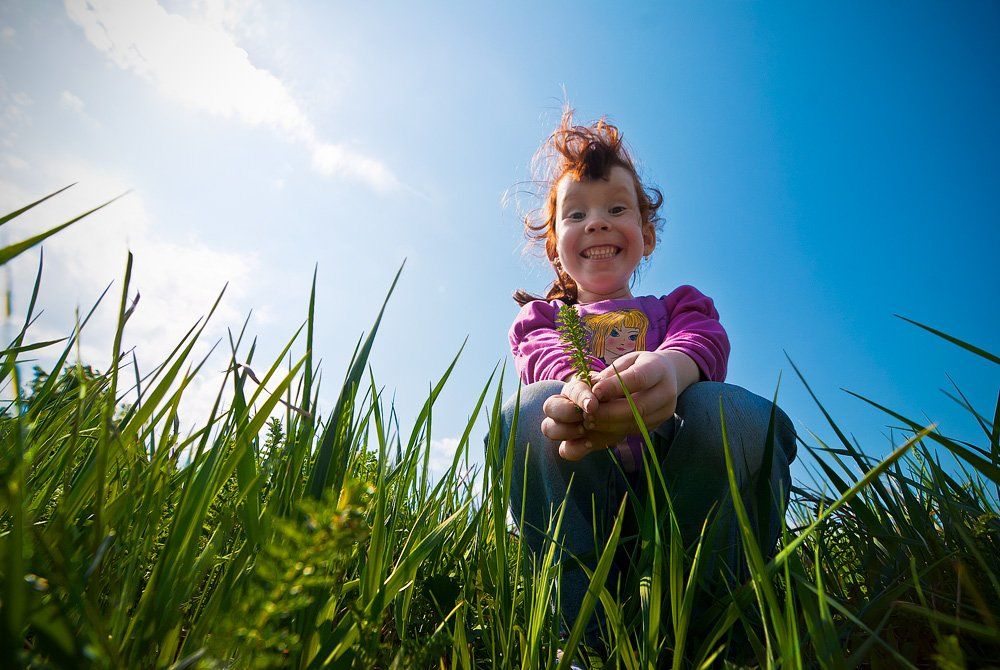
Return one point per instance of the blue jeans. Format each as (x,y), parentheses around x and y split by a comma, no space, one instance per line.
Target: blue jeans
(689,448)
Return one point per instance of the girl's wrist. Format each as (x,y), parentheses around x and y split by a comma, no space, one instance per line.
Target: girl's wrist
(686,371)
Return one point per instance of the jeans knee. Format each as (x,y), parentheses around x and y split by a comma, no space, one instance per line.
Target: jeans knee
(747,417)
(527,403)
(529,399)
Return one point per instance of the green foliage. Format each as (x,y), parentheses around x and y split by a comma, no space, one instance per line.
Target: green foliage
(274,536)
(305,562)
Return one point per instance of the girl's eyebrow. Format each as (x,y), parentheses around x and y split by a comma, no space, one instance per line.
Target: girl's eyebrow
(568,203)
(621,191)
(616,192)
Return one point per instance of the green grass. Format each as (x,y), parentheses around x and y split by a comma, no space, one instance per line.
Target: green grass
(275,536)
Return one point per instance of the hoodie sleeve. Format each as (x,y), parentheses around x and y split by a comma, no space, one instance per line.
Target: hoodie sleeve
(534,341)
(693,328)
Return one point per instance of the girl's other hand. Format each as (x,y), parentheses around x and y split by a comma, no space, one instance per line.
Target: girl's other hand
(654,380)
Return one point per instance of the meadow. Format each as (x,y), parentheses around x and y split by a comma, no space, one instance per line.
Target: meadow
(276,536)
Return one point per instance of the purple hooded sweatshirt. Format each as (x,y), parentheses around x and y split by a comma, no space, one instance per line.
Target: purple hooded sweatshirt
(685,321)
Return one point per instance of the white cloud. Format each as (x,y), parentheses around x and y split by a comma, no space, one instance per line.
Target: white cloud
(13,113)
(71,102)
(332,159)
(198,64)
(178,280)
(243,17)
(442,454)
(12,162)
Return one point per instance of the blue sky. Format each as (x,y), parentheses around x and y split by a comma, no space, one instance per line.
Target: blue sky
(825,166)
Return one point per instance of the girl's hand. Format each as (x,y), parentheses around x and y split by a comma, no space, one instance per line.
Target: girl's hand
(569,418)
(580,394)
(654,380)
(565,412)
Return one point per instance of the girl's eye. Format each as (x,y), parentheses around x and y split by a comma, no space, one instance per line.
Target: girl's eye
(576,216)
(614,333)
(633,337)
(617,209)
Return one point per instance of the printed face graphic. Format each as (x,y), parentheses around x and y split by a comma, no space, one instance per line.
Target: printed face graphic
(619,341)
(614,334)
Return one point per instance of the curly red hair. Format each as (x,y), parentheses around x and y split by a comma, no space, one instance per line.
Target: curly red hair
(583,152)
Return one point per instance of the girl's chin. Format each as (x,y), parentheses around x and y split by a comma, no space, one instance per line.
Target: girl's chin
(609,285)
(596,294)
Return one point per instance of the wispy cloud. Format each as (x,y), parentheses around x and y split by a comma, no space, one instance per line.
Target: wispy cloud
(442,455)
(72,102)
(13,113)
(178,279)
(14,163)
(198,64)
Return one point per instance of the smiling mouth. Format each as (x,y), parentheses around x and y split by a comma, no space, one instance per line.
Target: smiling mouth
(601,252)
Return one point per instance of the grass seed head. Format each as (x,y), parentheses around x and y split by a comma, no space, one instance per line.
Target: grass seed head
(573,334)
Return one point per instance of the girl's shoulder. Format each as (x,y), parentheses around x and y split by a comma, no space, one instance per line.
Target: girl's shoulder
(683,297)
(538,308)
(535,314)
(684,294)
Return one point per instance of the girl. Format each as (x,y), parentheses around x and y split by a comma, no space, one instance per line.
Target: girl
(597,223)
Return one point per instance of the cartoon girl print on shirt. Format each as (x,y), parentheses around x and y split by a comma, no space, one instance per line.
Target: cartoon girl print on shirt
(615,334)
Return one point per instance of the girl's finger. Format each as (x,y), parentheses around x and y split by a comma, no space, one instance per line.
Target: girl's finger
(621,363)
(636,378)
(558,431)
(562,409)
(581,394)
(577,448)
(614,424)
(652,404)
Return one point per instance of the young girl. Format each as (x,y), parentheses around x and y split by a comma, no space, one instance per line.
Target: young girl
(597,223)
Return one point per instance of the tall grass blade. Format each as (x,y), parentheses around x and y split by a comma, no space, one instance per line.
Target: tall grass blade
(12,251)
(590,599)
(337,434)
(7,217)
(954,340)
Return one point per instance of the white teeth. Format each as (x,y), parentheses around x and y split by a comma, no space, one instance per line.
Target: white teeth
(599,253)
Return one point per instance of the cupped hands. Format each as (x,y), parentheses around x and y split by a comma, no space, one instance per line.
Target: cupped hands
(586,419)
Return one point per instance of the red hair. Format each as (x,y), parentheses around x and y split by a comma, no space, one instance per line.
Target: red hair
(583,152)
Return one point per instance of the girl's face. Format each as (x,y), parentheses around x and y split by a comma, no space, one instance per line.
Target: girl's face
(619,341)
(599,234)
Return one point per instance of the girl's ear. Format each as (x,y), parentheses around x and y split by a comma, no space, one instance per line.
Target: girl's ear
(648,240)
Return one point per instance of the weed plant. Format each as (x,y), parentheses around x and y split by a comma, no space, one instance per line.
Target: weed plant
(275,536)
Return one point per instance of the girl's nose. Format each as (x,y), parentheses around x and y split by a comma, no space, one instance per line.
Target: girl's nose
(598,224)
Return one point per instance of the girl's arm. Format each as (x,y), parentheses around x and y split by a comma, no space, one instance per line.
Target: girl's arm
(693,328)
